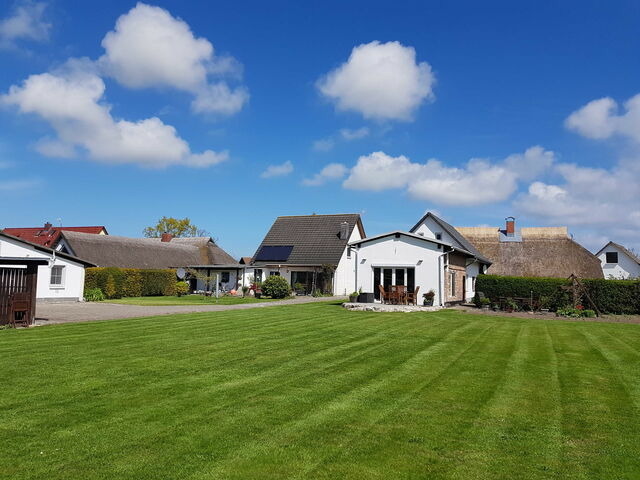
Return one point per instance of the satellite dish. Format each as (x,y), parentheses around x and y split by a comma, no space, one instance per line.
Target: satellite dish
(181,273)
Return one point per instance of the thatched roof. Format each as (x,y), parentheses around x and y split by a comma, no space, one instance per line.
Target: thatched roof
(126,252)
(542,252)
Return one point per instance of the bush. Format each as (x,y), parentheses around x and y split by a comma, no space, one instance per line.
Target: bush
(182,288)
(93,295)
(131,282)
(276,286)
(610,296)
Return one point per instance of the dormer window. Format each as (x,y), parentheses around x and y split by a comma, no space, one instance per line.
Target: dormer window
(612,257)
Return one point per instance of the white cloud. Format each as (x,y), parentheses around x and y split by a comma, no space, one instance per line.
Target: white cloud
(151,48)
(599,119)
(343,135)
(278,170)
(25,23)
(333,171)
(587,196)
(323,145)
(381,81)
(530,164)
(18,185)
(379,171)
(478,182)
(354,134)
(70,101)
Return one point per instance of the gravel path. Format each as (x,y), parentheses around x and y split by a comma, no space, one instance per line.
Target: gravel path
(52,313)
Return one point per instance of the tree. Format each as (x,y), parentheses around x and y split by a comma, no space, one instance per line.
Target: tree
(176,227)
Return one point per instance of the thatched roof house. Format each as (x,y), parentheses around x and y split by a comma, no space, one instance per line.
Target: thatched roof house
(533,252)
(126,252)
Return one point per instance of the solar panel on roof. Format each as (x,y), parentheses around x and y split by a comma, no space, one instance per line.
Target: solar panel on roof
(278,253)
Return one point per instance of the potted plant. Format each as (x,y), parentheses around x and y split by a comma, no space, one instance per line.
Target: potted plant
(510,305)
(485,303)
(299,288)
(428,298)
(353,297)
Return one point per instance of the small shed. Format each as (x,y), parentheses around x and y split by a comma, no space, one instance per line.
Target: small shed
(18,275)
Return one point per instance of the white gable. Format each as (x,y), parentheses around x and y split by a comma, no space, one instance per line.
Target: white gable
(429,228)
(625,267)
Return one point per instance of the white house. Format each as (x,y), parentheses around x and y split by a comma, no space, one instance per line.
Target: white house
(431,256)
(60,279)
(311,251)
(618,262)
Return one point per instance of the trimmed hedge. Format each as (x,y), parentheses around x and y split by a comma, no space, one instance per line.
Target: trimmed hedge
(611,296)
(131,282)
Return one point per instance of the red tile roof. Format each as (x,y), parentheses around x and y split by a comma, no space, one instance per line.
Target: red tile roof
(49,235)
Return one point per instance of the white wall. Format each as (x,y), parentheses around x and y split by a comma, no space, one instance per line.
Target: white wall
(429,228)
(625,268)
(401,252)
(473,271)
(73,272)
(345,275)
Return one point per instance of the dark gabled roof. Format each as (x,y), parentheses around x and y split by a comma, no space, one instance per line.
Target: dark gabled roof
(125,252)
(455,234)
(245,260)
(424,239)
(315,238)
(49,250)
(625,250)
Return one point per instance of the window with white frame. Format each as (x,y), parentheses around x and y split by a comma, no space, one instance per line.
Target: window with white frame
(438,235)
(57,276)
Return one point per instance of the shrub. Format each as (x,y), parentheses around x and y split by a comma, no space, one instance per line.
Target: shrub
(131,282)
(93,295)
(182,288)
(276,286)
(610,296)
(110,288)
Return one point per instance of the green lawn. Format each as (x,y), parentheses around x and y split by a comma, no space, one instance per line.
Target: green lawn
(188,300)
(315,391)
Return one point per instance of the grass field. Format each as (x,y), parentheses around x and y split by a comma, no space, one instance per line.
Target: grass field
(188,300)
(314,391)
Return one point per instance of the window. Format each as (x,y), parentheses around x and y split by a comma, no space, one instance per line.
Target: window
(57,276)
(274,274)
(452,276)
(612,257)
(438,235)
(348,252)
(224,277)
(257,274)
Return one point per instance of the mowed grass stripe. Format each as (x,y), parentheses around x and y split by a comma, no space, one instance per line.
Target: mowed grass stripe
(600,423)
(360,403)
(259,416)
(315,391)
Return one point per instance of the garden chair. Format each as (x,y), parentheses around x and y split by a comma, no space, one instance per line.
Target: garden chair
(19,304)
(412,297)
(384,296)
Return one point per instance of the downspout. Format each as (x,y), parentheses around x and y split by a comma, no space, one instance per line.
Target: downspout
(356,269)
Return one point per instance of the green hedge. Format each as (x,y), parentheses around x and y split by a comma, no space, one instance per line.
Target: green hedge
(131,282)
(611,296)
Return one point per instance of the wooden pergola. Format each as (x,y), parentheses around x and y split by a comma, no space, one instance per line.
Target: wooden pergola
(18,275)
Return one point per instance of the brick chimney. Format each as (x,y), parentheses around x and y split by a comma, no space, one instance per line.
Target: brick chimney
(47,226)
(511,226)
(166,237)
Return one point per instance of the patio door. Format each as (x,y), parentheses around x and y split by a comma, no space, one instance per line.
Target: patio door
(387,276)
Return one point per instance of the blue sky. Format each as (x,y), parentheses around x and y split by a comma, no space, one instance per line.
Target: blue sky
(250,110)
